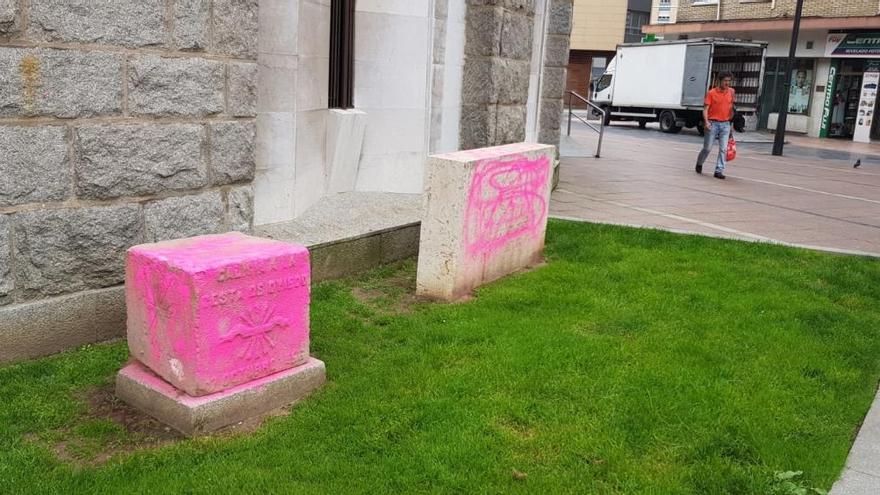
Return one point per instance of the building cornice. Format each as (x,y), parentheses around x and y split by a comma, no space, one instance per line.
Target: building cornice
(782,24)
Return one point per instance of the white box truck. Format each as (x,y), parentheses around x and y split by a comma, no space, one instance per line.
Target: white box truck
(667,81)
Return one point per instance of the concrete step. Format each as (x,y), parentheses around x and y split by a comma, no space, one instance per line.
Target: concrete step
(354,232)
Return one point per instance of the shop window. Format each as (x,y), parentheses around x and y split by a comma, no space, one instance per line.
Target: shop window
(341,54)
(800,89)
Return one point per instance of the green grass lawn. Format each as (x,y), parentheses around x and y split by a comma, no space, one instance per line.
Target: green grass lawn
(635,361)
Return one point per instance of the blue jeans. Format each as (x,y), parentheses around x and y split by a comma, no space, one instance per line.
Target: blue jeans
(719,131)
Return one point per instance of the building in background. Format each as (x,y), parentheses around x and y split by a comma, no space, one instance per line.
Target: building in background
(598,26)
(638,13)
(664,11)
(833,84)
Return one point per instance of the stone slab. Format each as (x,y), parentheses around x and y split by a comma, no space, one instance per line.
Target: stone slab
(346,216)
(57,324)
(212,312)
(485,216)
(195,416)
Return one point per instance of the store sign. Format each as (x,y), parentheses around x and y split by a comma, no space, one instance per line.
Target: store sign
(853,45)
(829,99)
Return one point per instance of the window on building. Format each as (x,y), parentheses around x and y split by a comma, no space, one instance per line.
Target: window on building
(341,54)
(598,67)
(798,81)
(800,87)
(635,19)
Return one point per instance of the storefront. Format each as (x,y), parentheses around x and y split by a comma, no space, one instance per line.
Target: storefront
(850,102)
(804,81)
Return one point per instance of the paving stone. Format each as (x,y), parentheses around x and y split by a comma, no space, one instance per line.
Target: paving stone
(510,124)
(556,50)
(243,90)
(560,17)
(59,83)
(525,6)
(483,31)
(68,250)
(553,85)
(141,159)
(233,148)
(191,24)
(477,126)
(516,36)
(551,113)
(169,87)
(240,209)
(133,23)
(495,80)
(9,17)
(34,167)
(184,216)
(235,27)
(6,284)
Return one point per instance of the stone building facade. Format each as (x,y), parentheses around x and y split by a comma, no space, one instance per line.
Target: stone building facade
(131,121)
(120,123)
(501,52)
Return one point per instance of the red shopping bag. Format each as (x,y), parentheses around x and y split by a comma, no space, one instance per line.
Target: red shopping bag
(731,149)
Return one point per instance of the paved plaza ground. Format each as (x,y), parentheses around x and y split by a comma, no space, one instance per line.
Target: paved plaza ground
(811,197)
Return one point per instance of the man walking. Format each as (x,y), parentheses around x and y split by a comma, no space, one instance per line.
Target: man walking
(717,114)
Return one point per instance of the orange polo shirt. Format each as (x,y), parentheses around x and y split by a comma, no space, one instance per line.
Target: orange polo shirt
(720,104)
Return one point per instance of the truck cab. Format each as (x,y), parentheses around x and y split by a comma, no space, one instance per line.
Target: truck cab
(603,86)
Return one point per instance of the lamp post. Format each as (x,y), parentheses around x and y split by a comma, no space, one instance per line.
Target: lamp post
(779,140)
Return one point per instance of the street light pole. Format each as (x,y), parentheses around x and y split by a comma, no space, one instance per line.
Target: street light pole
(779,140)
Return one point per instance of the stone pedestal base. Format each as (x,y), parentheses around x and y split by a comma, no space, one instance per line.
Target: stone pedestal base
(194,416)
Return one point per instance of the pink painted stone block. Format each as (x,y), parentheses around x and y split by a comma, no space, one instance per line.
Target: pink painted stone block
(485,216)
(212,312)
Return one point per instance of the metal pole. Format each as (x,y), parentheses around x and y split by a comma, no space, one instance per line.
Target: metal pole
(569,113)
(779,140)
(601,135)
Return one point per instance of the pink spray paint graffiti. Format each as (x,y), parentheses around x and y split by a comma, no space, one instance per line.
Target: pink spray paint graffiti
(506,201)
(213,312)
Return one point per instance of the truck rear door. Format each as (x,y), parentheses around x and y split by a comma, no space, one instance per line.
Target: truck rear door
(696,74)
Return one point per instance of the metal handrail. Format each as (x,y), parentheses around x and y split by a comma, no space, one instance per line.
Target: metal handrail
(600,129)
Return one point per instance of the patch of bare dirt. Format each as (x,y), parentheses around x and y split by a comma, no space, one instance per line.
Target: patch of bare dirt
(103,404)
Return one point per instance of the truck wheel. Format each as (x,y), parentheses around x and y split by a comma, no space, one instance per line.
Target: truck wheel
(667,123)
(701,129)
(643,123)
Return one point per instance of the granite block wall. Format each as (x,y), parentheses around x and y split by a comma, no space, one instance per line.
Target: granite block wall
(121,122)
